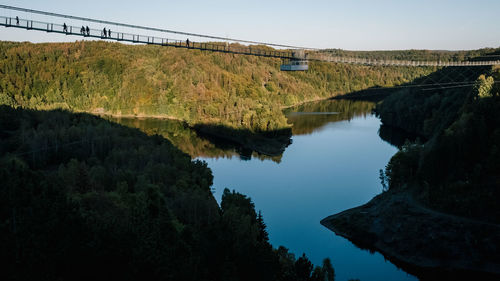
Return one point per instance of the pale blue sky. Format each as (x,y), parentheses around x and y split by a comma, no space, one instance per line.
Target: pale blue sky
(354,24)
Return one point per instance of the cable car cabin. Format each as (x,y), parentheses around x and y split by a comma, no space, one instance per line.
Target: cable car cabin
(295,65)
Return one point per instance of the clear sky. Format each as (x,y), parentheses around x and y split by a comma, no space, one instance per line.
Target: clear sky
(347,24)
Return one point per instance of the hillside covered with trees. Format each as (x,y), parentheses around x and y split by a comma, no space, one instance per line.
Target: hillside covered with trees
(457,169)
(439,215)
(195,86)
(84,198)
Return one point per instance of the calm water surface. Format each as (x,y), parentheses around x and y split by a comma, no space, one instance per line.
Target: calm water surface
(332,165)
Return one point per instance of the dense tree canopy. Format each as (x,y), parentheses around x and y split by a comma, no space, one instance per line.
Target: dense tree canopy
(82,198)
(85,198)
(195,86)
(456,170)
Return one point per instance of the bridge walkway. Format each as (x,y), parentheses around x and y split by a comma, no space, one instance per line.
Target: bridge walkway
(224,47)
(255,50)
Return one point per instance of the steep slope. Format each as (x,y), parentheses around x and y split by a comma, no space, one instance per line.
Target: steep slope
(82,198)
(195,86)
(440,217)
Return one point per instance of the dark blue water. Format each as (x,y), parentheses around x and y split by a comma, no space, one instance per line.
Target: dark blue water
(332,165)
(329,168)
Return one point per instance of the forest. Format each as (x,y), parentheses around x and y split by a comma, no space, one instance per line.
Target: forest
(455,162)
(83,198)
(190,85)
(86,198)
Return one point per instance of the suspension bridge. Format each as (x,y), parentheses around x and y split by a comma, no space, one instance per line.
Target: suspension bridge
(294,55)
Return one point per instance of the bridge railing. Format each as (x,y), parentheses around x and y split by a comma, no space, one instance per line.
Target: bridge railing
(86,31)
(82,31)
(255,50)
(319,56)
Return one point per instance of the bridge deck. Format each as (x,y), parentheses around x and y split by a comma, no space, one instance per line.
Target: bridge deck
(144,39)
(252,50)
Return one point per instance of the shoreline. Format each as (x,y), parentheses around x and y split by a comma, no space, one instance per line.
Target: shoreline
(101,113)
(423,242)
(135,116)
(272,143)
(308,101)
(98,112)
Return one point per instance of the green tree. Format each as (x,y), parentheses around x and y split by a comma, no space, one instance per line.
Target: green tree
(263,235)
(303,268)
(317,274)
(483,86)
(328,270)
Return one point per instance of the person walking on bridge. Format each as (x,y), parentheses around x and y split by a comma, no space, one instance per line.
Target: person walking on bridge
(88,30)
(17,20)
(109,33)
(187,42)
(104,32)
(65,28)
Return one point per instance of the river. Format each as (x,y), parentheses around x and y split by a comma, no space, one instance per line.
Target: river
(332,164)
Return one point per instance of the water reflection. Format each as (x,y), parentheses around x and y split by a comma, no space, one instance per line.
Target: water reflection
(331,166)
(305,119)
(311,117)
(194,143)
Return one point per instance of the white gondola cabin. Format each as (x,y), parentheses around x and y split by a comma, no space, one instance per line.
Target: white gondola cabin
(297,63)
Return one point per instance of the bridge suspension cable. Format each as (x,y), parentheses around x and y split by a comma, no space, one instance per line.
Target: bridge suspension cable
(150,28)
(310,54)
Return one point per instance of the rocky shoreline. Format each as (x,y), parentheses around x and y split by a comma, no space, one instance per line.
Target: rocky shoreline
(426,243)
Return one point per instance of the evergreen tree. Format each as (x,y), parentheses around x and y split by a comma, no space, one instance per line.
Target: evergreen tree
(263,235)
(303,268)
(318,274)
(328,271)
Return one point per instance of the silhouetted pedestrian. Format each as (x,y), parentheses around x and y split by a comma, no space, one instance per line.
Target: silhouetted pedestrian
(109,32)
(65,27)
(88,30)
(187,42)
(104,32)
(82,30)
(17,20)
